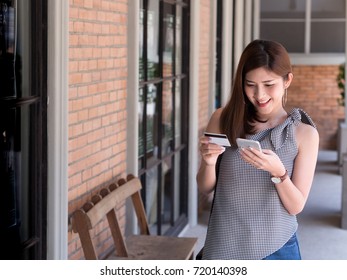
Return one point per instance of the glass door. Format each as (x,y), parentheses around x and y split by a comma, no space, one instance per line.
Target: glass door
(23,142)
(163,111)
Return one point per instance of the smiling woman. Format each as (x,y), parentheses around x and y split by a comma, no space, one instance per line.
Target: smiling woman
(258,193)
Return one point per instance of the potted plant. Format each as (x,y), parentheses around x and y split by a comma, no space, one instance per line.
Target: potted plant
(342,126)
(341,84)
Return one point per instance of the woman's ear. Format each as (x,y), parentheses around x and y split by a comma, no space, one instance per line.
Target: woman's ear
(289,80)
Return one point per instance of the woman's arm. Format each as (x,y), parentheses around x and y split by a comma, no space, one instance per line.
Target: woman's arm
(206,176)
(294,191)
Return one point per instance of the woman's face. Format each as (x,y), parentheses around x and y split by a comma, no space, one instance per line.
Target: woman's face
(265,89)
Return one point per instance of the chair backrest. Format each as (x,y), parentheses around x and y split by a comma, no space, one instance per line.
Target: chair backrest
(103,205)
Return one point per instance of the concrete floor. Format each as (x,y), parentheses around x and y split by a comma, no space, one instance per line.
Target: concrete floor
(320,234)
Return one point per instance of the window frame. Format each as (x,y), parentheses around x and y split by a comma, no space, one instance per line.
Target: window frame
(313,58)
(181,151)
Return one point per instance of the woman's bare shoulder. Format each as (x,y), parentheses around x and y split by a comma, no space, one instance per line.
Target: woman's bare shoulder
(306,135)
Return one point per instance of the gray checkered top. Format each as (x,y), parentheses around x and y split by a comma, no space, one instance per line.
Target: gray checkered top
(248,220)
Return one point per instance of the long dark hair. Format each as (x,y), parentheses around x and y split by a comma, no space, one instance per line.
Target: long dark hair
(239,115)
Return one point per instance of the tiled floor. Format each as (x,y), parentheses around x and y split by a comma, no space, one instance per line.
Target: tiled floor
(319,233)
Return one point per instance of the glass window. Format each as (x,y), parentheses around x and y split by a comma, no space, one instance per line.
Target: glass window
(167,119)
(168,40)
(328,26)
(23,121)
(151,204)
(291,35)
(283,10)
(163,88)
(178,48)
(305,26)
(331,9)
(178,117)
(152,39)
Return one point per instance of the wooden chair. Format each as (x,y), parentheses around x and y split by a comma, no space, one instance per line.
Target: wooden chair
(142,246)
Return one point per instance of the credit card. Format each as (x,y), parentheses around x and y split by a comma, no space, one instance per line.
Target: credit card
(217,138)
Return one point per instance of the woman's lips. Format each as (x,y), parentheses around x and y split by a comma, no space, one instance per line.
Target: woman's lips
(263,103)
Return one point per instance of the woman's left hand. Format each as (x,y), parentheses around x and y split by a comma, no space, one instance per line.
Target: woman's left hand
(266,160)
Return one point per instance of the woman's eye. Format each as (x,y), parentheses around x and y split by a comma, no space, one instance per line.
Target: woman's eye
(269,85)
(250,85)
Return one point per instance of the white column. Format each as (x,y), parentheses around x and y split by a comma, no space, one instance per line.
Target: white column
(193,112)
(308,27)
(57,79)
(256,20)
(239,28)
(227,50)
(248,22)
(212,64)
(132,102)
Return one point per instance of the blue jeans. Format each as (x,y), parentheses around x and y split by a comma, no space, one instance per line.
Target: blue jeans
(289,251)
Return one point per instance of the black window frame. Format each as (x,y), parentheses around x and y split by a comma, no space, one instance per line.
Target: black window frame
(34,245)
(144,166)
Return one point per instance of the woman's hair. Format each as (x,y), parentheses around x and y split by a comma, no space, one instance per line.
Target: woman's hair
(238,116)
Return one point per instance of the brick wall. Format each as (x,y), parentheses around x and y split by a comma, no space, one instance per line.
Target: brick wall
(97,102)
(204,60)
(204,71)
(315,90)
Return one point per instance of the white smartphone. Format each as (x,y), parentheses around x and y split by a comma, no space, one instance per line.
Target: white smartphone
(247,143)
(217,138)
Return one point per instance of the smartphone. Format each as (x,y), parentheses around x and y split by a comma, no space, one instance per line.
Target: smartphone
(217,138)
(247,143)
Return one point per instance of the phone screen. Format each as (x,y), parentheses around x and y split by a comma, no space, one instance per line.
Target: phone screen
(247,143)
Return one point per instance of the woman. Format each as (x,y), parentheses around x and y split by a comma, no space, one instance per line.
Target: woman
(258,194)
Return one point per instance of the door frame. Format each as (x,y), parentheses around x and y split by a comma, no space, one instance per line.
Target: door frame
(57,88)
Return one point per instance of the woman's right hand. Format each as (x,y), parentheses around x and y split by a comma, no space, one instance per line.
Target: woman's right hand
(210,151)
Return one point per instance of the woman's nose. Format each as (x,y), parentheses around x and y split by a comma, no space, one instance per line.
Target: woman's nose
(259,92)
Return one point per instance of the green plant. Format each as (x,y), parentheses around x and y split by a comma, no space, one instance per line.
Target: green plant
(341,84)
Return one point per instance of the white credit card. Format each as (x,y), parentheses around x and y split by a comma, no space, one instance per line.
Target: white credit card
(217,138)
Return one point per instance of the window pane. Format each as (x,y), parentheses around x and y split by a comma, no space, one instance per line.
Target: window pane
(168,40)
(324,40)
(328,26)
(152,122)
(178,110)
(328,9)
(141,128)
(141,49)
(151,199)
(284,9)
(148,134)
(152,39)
(291,35)
(167,119)
(178,49)
(177,186)
(166,194)
(15,50)
(284,21)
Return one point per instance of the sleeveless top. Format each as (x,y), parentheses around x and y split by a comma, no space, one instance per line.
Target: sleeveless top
(248,220)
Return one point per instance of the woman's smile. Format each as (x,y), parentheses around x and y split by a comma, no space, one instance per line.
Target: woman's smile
(263,103)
